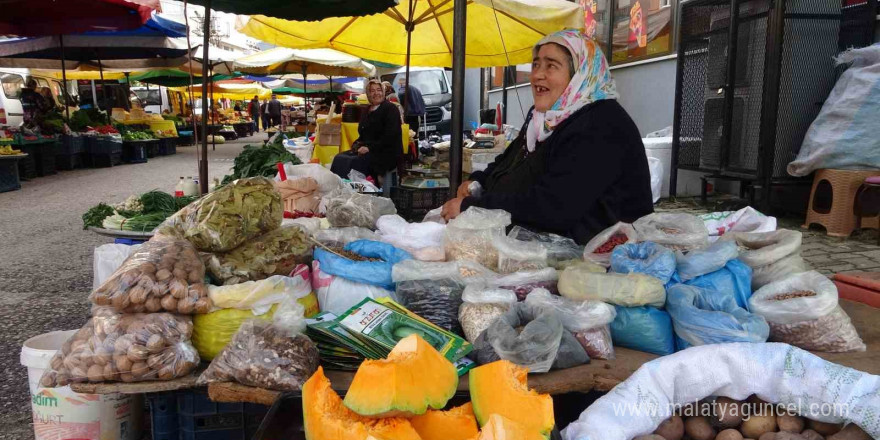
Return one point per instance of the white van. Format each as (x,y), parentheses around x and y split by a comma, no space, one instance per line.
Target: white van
(12,81)
(153,99)
(436,87)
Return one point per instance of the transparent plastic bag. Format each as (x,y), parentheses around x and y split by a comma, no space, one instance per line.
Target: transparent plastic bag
(438,301)
(108,258)
(587,320)
(423,240)
(274,356)
(337,294)
(700,317)
(470,235)
(464,272)
(598,249)
(733,280)
(515,255)
(524,282)
(702,261)
(164,274)
(259,296)
(629,290)
(559,249)
(346,208)
(327,181)
(645,328)
(647,258)
(115,347)
(481,305)
(222,220)
(763,248)
(339,237)
(677,231)
(273,253)
(532,336)
(803,311)
(213,331)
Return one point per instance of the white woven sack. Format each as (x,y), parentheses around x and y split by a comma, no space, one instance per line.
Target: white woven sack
(777,373)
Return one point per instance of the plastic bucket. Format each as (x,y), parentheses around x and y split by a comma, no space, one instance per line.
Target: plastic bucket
(61,414)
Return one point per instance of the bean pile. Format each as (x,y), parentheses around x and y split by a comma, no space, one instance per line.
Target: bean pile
(795,294)
(613,242)
(435,300)
(352,256)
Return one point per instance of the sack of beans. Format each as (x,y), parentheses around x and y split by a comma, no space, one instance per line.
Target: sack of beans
(470,236)
(598,250)
(677,231)
(771,255)
(481,305)
(629,290)
(164,274)
(115,347)
(587,320)
(803,311)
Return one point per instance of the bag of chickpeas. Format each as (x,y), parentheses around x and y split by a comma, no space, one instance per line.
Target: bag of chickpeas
(164,274)
(115,347)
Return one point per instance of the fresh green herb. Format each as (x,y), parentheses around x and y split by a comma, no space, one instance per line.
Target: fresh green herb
(144,222)
(158,201)
(96,215)
(185,200)
(255,161)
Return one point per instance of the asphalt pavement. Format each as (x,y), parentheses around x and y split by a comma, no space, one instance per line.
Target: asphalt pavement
(46,256)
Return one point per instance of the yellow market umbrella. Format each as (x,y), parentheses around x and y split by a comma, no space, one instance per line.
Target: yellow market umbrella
(230,91)
(83,74)
(499,36)
(282,60)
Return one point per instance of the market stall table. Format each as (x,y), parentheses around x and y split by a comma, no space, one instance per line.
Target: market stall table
(243,129)
(120,234)
(349,134)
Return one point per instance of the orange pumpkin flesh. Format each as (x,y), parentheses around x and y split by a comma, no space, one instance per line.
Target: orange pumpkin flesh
(413,378)
(501,388)
(326,418)
(456,424)
(501,428)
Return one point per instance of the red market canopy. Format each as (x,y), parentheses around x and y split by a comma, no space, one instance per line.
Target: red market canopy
(34,18)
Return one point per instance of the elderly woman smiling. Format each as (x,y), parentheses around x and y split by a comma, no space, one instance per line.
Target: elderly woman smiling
(578,165)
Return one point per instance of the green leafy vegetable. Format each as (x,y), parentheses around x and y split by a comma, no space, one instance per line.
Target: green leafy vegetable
(256,161)
(96,215)
(144,222)
(158,201)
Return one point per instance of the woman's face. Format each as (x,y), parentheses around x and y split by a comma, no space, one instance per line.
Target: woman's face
(376,94)
(550,75)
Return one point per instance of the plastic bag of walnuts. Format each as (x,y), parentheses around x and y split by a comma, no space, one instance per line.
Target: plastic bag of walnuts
(275,356)
(165,274)
(114,347)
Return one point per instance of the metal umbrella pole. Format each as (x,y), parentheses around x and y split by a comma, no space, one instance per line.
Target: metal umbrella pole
(203,162)
(409,28)
(64,75)
(459,21)
(104,86)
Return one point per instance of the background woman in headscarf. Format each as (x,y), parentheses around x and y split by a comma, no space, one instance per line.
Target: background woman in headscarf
(578,165)
(379,145)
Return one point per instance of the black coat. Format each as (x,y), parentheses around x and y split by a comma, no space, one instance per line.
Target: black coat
(379,130)
(589,174)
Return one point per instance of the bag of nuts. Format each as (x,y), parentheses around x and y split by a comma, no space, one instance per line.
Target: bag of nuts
(114,347)
(803,311)
(165,274)
(275,356)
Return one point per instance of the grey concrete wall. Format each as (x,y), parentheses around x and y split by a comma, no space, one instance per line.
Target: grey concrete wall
(647,92)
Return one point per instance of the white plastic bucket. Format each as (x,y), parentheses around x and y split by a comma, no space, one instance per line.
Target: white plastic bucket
(61,414)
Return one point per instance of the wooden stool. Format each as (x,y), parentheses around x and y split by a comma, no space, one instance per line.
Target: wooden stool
(837,215)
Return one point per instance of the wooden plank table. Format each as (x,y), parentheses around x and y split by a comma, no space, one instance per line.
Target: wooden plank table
(598,375)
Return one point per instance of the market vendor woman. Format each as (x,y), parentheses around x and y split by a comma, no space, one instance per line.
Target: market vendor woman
(578,165)
(379,144)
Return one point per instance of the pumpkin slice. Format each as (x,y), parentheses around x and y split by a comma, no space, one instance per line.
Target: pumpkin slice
(456,424)
(502,388)
(501,428)
(326,418)
(413,378)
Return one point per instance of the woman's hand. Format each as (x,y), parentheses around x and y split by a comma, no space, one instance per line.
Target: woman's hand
(363,150)
(451,209)
(463,190)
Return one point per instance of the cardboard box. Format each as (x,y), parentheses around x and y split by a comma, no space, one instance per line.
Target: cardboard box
(330,134)
(468,153)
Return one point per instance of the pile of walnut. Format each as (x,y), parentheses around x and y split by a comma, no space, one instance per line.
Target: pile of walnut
(113,347)
(165,274)
(726,422)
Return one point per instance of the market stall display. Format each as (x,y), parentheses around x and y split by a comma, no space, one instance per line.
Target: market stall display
(470,236)
(276,252)
(142,213)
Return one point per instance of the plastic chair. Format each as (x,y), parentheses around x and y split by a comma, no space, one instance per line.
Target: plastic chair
(833,200)
(868,203)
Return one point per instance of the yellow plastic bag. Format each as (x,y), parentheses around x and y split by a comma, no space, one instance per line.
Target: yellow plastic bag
(213,331)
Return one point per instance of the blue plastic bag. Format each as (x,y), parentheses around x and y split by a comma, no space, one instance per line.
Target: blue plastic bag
(702,317)
(703,261)
(733,280)
(377,273)
(648,258)
(643,328)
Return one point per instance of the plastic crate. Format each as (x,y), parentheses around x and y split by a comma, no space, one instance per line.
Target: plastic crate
(69,161)
(102,145)
(105,160)
(71,145)
(27,166)
(167,146)
(414,202)
(185,138)
(152,148)
(191,415)
(9,174)
(134,152)
(45,159)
